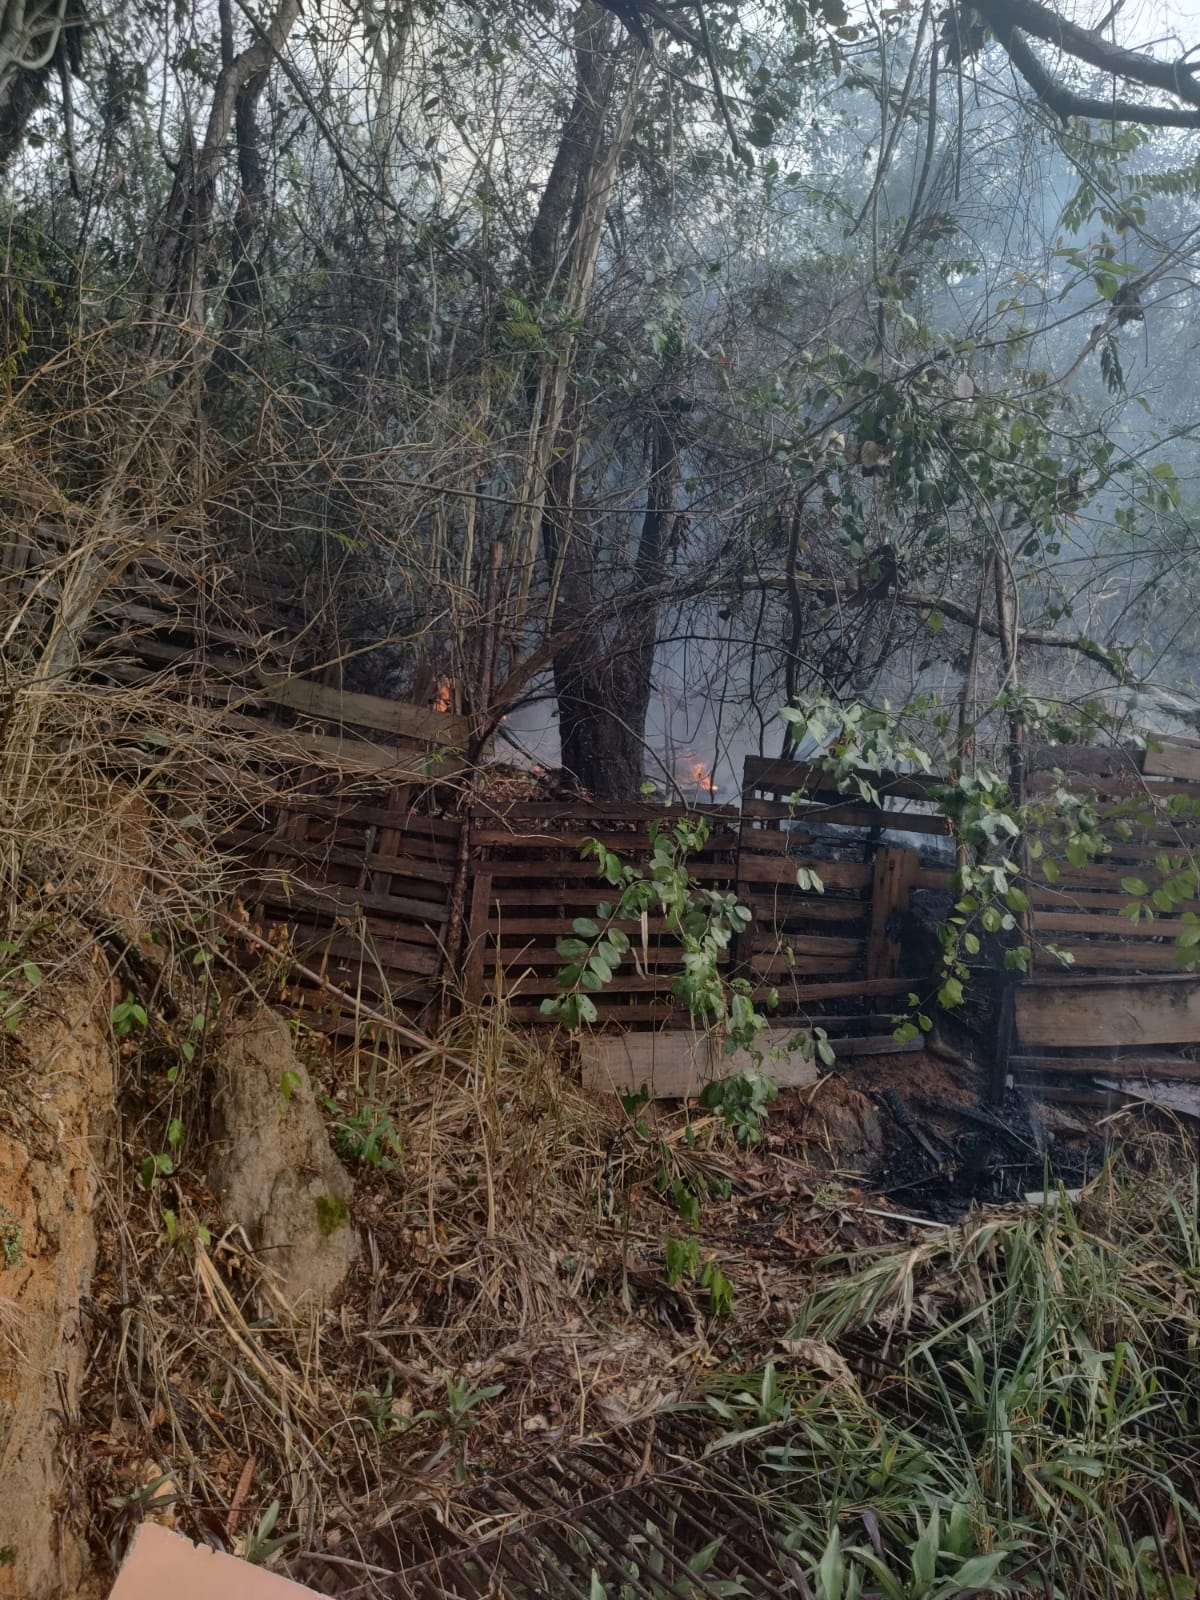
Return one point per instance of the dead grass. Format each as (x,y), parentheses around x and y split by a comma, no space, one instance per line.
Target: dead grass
(510,1298)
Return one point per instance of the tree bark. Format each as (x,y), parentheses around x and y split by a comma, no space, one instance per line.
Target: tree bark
(603,679)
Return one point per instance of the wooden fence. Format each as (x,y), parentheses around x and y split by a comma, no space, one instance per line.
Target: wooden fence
(386,899)
(374,890)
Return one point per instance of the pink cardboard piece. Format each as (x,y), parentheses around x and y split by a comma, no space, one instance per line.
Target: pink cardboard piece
(164,1566)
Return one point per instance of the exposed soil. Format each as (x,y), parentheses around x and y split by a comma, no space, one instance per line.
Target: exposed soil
(55,1150)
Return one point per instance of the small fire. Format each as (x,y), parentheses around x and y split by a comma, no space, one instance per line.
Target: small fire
(444,699)
(701,777)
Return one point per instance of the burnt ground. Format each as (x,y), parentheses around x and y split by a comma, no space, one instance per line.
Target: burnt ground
(930,1144)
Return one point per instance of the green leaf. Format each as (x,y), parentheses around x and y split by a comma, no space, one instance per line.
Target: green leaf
(831,1569)
(571,949)
(585,927)
(951,993)
(937,621)
(1134,886)
(977,1572)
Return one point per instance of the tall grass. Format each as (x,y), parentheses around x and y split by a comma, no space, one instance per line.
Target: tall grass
(1025,1417)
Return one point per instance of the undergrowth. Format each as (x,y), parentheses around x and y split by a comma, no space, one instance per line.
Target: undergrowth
(1009,1406)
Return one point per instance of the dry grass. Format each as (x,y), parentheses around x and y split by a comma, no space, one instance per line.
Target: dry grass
(510,1298)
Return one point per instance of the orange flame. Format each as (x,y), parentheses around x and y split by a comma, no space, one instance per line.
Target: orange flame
(699,774)
(444,700)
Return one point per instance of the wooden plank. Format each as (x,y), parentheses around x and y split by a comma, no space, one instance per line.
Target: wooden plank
(324,704)
(782,870)
(677,1065)
(1114,956)
(1104,760)
(1105,1012)
(1113,925)
(651,1012)
(401,766)
(1183,1099)
(1146,1066)
(765,772)
(377,959)
(477,927)
(330,855)
(894,874)
(856,815)
(707,872)
(674,1065)
(337,899)
(764,966)
(595,813)
(805,944)
(787,913)
(632,844)
(855,988)
(939,879)
(1171,757)
(527,980)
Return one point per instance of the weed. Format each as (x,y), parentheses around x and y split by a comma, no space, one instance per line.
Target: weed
(742,1101)
(367,1135)
(262,1542)
(128,1014)
(1026,1423)
(16,985)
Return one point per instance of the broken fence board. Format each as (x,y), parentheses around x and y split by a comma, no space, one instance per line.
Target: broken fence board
(1169,757)
(324,704)
(1112,1011)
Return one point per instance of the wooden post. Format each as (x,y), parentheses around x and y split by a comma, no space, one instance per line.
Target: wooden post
(477,935)
(895,873)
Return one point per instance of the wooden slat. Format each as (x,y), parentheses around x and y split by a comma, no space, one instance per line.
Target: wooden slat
(344,900)
(1158,1067)
(779,967)
(379,957)
(1170,757)
(856,988)
(764,772)
(527,980)
(895,872)
(323,704)
(400,766)
(676,1065)
(1103,760)
(768,942)
(1101,1012)
(1115,925)
(481,894)
(1116,957)
(782,870)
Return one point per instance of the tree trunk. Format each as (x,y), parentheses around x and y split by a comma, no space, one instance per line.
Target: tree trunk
(603,680)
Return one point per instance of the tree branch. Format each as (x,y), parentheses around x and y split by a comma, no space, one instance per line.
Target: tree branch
(1010,20)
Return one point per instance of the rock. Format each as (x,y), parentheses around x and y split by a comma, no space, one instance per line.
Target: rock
(271,1166)
(52,1154)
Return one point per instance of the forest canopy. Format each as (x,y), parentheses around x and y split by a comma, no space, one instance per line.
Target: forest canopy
(620,373)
